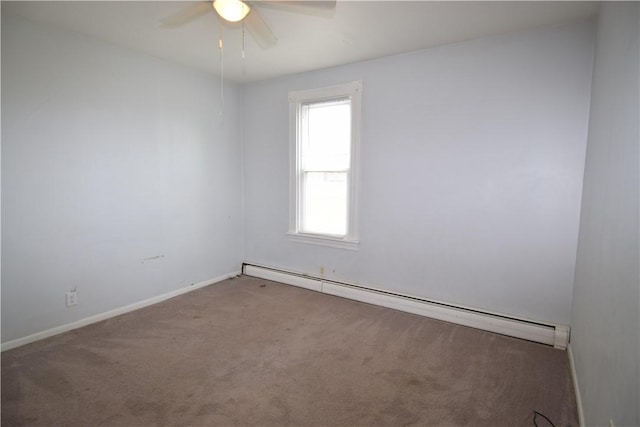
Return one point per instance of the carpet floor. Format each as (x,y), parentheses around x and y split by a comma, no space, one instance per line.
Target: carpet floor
(257,353)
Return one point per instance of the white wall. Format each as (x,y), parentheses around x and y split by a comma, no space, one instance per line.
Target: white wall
(109,157)
(472,165)
(605,322)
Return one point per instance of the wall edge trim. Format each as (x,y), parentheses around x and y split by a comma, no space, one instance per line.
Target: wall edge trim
(576,388)
(18,342)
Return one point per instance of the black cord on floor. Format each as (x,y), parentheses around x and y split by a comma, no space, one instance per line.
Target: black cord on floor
(536,413)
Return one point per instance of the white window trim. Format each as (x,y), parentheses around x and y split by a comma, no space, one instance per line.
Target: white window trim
(352,90)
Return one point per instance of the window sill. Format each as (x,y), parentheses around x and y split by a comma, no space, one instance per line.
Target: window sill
(316,239)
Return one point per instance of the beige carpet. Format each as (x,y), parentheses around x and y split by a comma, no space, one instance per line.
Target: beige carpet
(252,352)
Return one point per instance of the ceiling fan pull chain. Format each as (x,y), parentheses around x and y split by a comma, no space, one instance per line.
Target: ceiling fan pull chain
(221,48)
(244,69)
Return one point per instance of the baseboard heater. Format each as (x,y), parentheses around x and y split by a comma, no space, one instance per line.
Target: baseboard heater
(555,335)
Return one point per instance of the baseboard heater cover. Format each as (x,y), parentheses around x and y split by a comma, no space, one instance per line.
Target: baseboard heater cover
(555,335)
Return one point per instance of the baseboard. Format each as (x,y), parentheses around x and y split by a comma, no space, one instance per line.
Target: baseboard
(283,277)
(574,377)
(112,313)
(555,335)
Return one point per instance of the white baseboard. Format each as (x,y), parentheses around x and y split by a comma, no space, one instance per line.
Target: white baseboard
(112,313)
(284,277)
(574,377)
(555,335)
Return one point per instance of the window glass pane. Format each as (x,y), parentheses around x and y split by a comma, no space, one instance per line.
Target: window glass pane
(327,136)
(324,204)
(325,139)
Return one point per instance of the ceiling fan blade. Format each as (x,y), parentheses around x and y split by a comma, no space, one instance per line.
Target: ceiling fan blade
(259,29)
(309,7)
(187,14)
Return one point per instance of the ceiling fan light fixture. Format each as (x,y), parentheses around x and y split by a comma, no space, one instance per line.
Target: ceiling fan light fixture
(231,10)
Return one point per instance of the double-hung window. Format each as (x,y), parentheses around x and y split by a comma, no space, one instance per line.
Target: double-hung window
(325,136)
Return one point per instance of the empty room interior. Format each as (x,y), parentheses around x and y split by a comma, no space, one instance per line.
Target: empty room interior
(320,213)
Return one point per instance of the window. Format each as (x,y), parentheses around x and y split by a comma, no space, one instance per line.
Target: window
(325,135)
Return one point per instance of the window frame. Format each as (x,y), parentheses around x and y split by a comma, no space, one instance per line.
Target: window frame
(352,91)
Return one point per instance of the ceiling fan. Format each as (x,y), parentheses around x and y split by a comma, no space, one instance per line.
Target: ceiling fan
(235,11)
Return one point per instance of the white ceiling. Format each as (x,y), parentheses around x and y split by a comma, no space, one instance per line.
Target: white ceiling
(355,31)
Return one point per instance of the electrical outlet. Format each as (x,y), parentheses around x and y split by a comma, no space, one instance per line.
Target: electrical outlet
(72,298)
(611,424)
(321,271)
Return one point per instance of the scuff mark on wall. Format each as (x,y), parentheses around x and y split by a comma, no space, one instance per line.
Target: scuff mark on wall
(151,258)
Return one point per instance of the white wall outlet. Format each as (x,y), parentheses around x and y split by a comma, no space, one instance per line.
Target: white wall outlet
(72,298)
